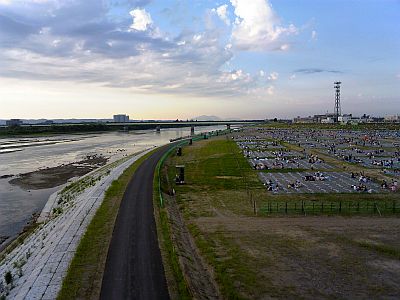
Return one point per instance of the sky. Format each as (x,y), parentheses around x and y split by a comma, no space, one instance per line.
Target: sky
(248,59)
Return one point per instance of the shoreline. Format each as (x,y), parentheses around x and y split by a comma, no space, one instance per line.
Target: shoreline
(43,214)
(43,258)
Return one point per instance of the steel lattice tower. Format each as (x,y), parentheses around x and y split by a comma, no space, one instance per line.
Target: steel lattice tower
(338,110)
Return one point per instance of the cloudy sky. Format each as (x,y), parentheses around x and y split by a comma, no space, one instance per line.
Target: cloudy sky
(170,59)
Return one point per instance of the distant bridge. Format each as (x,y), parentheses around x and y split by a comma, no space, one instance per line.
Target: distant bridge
(111,126)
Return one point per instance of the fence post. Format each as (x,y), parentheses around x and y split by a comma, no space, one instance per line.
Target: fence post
(302,206)
(322,207)
(286,207)
(358,206)
(340,206)
(394,206)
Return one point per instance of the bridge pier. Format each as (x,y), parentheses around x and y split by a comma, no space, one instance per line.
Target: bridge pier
(158,128)
(228,126)
(192,130)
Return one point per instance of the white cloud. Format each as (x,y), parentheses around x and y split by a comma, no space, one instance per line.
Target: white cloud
(222,13)
(141,19)
(273,76)
(256,26)
(293,76)
(313,35)
(235,76)
(140,59)
(271,90)
(284,47)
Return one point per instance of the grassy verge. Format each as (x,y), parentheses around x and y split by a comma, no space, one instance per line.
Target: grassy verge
(177,285)
(85,273)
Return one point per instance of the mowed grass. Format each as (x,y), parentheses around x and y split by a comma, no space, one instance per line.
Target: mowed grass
(216,176)
(221,166)
(85,273)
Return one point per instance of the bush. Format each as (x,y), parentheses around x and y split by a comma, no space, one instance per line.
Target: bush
(8,277)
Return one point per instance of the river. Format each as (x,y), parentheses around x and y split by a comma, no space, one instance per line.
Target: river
(23,155)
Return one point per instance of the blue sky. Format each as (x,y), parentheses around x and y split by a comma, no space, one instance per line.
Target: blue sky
(179,59)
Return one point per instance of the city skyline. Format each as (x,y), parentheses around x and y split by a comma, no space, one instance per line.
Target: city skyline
(179,59)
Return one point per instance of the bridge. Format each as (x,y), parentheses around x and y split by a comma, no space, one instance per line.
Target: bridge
(111,126)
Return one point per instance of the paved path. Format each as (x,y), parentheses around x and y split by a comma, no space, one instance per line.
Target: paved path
(134,268)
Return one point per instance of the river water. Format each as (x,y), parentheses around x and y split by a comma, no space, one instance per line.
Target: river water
(22,155)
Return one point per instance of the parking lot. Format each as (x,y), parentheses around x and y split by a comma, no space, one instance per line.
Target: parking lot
(335,182)
(269,152)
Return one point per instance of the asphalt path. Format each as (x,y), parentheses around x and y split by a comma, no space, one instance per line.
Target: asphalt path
(134,268)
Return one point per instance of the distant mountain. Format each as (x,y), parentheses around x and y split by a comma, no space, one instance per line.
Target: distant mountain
(207,118)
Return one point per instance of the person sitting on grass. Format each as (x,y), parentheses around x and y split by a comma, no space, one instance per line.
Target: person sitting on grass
(309,178)
(384,184)
(320,176)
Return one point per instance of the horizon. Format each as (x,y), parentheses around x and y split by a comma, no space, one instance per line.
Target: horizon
(167,60)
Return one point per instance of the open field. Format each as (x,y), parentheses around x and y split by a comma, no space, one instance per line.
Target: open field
(254,254)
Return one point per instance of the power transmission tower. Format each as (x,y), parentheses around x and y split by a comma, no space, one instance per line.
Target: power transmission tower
(338,110)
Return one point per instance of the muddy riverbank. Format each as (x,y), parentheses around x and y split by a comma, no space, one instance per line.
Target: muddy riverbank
(55,176)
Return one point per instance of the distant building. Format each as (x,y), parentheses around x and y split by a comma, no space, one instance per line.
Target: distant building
(315,119)
(303,120)
(121,118)
(328,120)
(392,118)
(14,122)
(344,119)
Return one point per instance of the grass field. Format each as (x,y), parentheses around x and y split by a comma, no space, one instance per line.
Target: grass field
(256,256)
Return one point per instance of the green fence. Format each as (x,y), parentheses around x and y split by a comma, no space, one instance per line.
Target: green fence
(383,207)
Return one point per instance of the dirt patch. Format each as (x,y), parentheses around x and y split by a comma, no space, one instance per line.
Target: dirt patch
(312,257)
(197,274)
(55,176)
